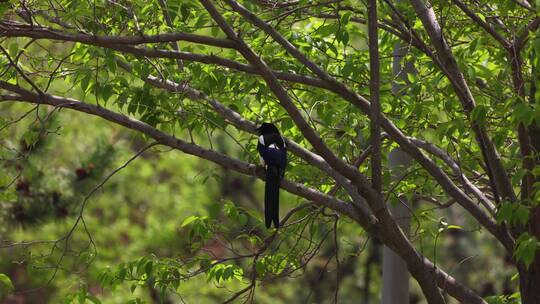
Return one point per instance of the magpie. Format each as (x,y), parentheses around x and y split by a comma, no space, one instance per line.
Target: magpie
(273,153)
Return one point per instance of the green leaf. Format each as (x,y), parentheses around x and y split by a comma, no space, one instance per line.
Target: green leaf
(218,274)
(523,113)
(81,295)
(260,267)
(184,12)
(473,45)
(122,273)
(505,213)
(412,77)
(13,49)
(106,92)
(214,210)
(228,273)
(333,48)
(6,286)
(110,63)
(327,30)
(348,69)
(93,299)
(345,38)
(133,105)
(85,82)
(242,219)
(521,215)
(479,114)
(148,268)
(189,220)
(345,18)
(526,247)
(140,265)
(4,7)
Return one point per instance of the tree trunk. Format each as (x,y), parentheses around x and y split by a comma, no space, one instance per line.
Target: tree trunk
(529,282)
(529,279)
(529,137)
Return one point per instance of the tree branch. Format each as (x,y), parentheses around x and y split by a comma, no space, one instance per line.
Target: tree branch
(126,44)
(169,22)
(245,125)
(284,99)
(522,38)
(389,127)
(495,168)
(192,149)
(487,27)
(356,100)
(389,229)
(374,86)
(11,29)
(432,149)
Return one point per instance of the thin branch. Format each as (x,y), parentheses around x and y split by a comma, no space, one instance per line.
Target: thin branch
(11,29)
(495,168)
(122,45)
(432,149)
(173,142)
(392,233)
(389,127)
(245,125)
(486,26)
(169,22)
(80,217)
(283,97)
(522,38)
(20,71)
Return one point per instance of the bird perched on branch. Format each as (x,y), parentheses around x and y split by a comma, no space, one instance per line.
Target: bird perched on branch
(273,152)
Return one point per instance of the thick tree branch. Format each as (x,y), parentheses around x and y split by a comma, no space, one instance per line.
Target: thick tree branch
(355,99)
(495,168)
(283,97)
(245,125)
(522,38)
(192,149)
(388,126)
(525,4)
(392,233)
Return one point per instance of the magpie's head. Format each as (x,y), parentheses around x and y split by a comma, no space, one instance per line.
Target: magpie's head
(267,128)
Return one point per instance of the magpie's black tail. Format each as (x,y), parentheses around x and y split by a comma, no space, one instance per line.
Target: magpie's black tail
(271,196)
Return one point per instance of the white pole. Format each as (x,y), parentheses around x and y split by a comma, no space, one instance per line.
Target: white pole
(395,274)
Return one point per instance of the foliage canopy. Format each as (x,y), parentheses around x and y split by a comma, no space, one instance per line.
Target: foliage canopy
(457,89)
